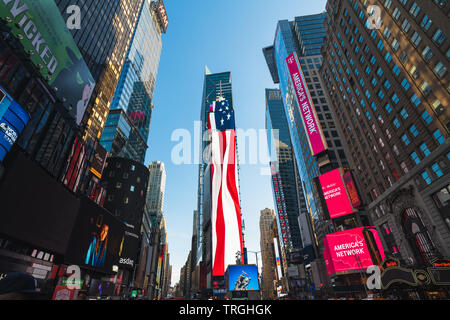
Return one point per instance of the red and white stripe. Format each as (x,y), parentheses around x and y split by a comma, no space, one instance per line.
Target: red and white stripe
(226,211)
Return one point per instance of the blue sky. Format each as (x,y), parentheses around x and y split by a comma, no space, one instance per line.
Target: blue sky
(225,36)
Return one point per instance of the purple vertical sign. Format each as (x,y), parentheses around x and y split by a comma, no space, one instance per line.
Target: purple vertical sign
(316,140)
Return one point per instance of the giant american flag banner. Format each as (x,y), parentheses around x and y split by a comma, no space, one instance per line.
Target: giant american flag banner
(226,212)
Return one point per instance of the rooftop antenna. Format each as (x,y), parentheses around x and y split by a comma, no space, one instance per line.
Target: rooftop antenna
(220,96)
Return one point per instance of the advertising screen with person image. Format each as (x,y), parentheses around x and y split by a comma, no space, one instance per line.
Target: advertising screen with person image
(98,247)
(96,238)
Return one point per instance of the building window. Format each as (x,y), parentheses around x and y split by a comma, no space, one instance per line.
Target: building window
(414,130)
(404,113)
(396,70)
(396,14)
(405,84)
(415,100)
(415,157)
(437,170)
(439,37)
(406,25)
(426,117)
(404,167)
(414,10)
(425,88)
(426,22)
(424,149)
(418,237)
(416,38)
(437,106)
(426,177)
(440,69)
(438,136)
(442,202)
(405,140)
(395,98)
(427,54)
(396,150)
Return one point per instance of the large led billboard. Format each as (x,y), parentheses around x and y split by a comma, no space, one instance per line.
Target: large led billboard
(129,246)
(96,238)
(335,194)
(348,250)
(13,120)
(34,207)
(316,139)
(242,278)
(351,189)
(49,44)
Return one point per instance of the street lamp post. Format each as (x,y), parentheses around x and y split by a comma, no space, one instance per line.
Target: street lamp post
(257,265)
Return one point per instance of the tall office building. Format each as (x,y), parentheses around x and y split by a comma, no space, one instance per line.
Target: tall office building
(214,86)
(268,231)
(388,81)
(153,222)
(127,127)
(104,51)
(288,39)
(303,36)
(155,196)
(289,202)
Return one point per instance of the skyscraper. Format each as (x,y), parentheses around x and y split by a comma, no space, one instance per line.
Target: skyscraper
(268,231)
(154,203)
(104,51)
(303,37)
(128,124)
(388,82)
(214,86)
(286,196)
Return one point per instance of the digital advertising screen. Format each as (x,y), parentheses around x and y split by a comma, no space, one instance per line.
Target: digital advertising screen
(335,194)
(96,238)
(13,120)
(243,278)
(34,207)
(351,189)
(129,247)
(41,28)
(311,124)
(348,250)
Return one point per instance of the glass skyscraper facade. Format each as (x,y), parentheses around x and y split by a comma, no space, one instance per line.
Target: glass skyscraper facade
(104,52)
(305,36)
(309,169)
(287,197)
(311,33)
(214,86)
(128,124)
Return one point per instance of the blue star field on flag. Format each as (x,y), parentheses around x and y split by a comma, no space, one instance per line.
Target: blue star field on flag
(224,116)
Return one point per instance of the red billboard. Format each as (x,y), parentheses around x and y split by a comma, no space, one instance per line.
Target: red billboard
(351,189)
(316,140)
(336,197)
(348,250)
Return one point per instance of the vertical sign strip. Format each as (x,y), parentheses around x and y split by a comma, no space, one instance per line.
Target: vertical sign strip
(316,140)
